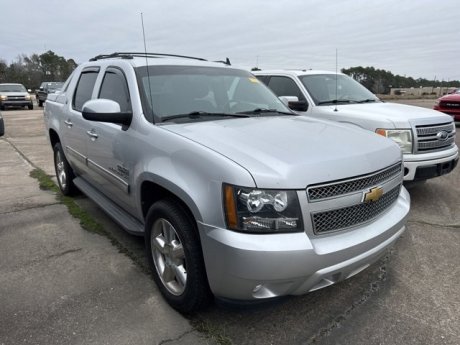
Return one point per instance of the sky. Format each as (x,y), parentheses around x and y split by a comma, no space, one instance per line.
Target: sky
(419,39)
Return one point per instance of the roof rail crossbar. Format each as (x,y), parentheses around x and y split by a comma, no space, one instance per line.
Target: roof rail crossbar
(130,55)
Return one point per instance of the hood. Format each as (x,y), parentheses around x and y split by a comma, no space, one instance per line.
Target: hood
(400,115)
(293,151)
(8,93)
(451,97)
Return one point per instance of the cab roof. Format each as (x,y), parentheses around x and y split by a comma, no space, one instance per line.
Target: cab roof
(295,72)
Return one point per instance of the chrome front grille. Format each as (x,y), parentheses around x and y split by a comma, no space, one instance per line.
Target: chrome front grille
(342,218)
(450,105)
(16,98)
(435,137)
(325,191)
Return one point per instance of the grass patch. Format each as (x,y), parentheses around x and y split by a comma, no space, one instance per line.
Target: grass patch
(211,332)
(45,182)
(87,222)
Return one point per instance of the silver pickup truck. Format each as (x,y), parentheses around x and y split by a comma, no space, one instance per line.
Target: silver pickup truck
(426,137)
(236,196)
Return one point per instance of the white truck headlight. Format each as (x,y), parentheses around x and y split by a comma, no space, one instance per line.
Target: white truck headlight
(261,210)
(402,137)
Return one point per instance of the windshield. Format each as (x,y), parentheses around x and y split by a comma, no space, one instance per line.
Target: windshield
(322,88)
(12,88)
(54,86)
(168,91)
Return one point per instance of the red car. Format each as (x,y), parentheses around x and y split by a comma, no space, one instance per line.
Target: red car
(449,104)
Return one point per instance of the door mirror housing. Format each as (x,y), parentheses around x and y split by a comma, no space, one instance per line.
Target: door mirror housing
(105,110)
(293,103)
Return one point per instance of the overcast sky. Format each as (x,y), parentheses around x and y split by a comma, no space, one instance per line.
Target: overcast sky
(413,38)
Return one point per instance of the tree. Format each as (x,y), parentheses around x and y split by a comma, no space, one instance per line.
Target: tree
(34,69)
(381,81)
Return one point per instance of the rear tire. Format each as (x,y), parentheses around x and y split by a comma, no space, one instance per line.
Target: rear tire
(40,103)
(64,172)
(175,256)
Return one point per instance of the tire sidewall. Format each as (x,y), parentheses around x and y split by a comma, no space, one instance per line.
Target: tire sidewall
(196,287)
(69,175)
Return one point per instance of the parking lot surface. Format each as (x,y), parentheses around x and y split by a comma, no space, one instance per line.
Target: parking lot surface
(61,284)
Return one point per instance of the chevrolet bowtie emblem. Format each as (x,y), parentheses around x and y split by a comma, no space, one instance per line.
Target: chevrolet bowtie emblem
(373,195)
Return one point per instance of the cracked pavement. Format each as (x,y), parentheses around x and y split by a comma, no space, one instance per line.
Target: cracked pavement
(409,297)
(60,284)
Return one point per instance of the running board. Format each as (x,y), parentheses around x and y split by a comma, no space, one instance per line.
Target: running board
(125,220)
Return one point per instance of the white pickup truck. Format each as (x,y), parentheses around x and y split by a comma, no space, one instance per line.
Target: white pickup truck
(426,137)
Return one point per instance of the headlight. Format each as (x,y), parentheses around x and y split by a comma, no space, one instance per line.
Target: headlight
(28,97)
(3,97)
(402,137)
(261,210)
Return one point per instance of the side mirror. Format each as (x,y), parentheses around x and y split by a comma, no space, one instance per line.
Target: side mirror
(293,103)
(41,88)
(29,90)
(105,110)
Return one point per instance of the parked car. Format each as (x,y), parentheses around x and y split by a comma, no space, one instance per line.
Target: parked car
(2,126)
(236,195)
(14,95)
(450,104)
(45,88)
(426,137)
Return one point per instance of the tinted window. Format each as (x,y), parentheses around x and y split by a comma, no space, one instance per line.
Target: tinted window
(115,88)
(84,89)
(284,86)
(174,90)
(263,78)
(330,88)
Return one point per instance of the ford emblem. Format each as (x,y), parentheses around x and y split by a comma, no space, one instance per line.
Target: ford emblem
(443,135)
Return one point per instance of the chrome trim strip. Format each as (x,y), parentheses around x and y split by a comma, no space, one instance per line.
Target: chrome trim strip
(76,154)
(119,182)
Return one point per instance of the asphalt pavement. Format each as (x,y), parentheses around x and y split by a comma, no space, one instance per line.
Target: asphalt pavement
(60,284)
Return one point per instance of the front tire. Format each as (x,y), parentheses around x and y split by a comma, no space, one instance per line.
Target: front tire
(64,172)
(175,256)
(30,106)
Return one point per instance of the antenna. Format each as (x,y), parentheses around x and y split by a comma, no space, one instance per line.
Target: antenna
(336,87)
(147,64)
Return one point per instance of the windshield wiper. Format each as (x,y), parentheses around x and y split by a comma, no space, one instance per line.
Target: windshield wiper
(258,111)
(337,101)
(368,100)
(198,114)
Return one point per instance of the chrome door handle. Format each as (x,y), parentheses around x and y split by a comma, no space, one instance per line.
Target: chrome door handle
(68,123)
(92,134)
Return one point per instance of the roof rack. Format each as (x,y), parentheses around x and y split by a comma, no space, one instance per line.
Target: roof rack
(130,55)
(226,62)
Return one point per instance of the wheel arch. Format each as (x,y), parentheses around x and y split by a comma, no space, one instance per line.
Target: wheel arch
(152,190)
(54,137)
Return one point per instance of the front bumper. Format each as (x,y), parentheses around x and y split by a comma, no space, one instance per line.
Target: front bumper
(429,165)
(254,266)
(13,103)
